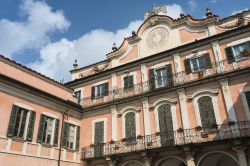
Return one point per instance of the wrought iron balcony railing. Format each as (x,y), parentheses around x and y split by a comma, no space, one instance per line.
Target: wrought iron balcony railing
(180,137)
(179,78)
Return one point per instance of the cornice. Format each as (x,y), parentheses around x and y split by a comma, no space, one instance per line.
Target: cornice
(164,54)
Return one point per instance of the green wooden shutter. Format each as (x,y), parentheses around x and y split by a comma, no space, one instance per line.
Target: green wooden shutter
(93,92)
(169,75)
(187,66)
(152,79)
(77,137)
(55,143)
(207,61)
(125,80)
(41,129)
(106,89)
(65,134)
(12,121)
(131,81)
(31,126)
(230,54)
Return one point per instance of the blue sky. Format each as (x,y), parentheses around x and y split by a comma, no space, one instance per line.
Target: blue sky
(48,35)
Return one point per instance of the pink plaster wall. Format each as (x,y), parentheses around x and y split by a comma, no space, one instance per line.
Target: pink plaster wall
(132,55)
(187,36)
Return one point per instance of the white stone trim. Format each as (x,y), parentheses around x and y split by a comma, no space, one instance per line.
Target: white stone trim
(210,93)
(244,100)
(195,55)
(23,106)
(172,104)
(183,108)
(114,80)
(217,51)
(137,120)
(99,83)
(50,115)
(105,120)
(26,125)
(228,100)
(129,74)
(236,42)
(73,122)
(159,65)
(82,91)
(114,122)
(146,120)
(177,62)
(144,74)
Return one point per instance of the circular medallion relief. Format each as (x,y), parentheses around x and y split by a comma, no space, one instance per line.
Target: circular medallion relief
(157,38)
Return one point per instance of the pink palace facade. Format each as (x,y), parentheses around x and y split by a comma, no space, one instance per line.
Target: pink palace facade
(175,93)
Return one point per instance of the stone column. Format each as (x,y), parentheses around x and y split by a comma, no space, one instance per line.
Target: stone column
(114,122)
(144,77)
(228,100)
(183,107)
(178,69)
(189,157)
(146,118)
(240,152)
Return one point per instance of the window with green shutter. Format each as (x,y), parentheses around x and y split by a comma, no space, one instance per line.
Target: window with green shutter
(45,132)
(100,90)
(199,63)
(130,127)
(128,82)
(18,123)
(71,136)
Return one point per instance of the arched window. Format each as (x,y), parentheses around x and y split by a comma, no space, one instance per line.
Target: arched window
(206,111)
(130,126)
(165,123)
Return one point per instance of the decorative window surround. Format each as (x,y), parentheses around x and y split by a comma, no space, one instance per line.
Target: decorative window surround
(201,93)
(159,65)
(50,115)
(23,106)
(72,122)
(236,42)
(105,120)
(195,55)
(100,82)
(129,74)
(123,113)
(172,104)
(244,100)
(217,51)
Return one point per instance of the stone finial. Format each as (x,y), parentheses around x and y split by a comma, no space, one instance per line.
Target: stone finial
(182,15)
(209,13)
(75,65)
(114,48)
(133,33)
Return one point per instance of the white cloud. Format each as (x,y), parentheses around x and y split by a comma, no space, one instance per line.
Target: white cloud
(174,10)
(56,59)
(38,22)
(192,4)
(238,11)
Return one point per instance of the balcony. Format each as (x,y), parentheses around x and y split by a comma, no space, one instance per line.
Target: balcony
(180,78)
(198,135)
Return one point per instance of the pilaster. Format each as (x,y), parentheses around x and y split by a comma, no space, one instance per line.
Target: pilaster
(146,118)
(228,100)
(189,157)
(183,107)
(114,81)
(144,76)
(114,122)
(240,152)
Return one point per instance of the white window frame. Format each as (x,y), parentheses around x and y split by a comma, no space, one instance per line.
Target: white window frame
(210,93)
(104,120)
(244,100)
(123,113)
(50,115)
(27,118)
(173,110)
(156,80)
(198,64)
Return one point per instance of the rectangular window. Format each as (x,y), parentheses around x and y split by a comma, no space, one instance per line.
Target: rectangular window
(48,130)
(161,77)
(128,82)
(78,96)
(198,64)
(21,122)
(71,136)
(99,91)
(247,94)
(241,50)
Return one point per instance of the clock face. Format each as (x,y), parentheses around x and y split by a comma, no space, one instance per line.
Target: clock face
(157,38)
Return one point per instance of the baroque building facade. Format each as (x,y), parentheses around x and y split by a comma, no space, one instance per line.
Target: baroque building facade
(175,93)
